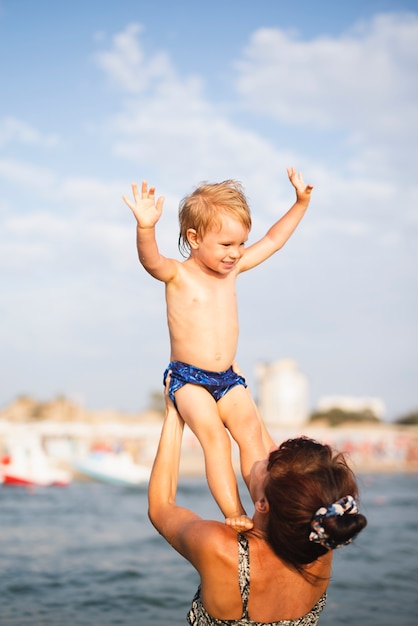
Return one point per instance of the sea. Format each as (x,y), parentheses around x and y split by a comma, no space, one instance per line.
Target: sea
(86,555)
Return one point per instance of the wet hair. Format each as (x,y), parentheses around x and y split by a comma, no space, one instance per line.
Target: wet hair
(202,210)
(304,475)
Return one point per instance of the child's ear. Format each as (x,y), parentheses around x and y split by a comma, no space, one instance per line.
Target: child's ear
(192,238)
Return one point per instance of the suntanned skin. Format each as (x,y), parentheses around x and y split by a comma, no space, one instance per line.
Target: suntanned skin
(202,316)
(278,592)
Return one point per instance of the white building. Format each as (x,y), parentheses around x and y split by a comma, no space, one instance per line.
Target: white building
(283,393)
(352,404)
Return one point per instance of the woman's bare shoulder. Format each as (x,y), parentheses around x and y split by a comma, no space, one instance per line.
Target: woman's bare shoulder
(206,541)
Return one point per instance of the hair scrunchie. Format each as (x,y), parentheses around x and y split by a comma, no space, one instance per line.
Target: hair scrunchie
(347,504)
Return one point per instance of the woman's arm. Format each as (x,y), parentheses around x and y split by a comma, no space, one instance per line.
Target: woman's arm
(171,520)
(197,540)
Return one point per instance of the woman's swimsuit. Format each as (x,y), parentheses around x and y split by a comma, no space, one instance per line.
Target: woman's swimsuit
(198,616)
(217,383)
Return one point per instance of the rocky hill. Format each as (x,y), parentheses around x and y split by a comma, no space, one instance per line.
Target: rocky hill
(26,409)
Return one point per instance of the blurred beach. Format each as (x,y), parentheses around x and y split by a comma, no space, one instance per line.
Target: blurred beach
(70,447)
(62,436)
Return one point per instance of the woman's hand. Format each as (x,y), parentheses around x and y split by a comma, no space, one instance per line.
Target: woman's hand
(170,410)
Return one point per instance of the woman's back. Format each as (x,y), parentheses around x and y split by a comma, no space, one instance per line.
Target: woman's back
(304,503)
(273,591)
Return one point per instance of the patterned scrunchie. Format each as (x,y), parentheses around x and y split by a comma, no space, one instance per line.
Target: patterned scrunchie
(347,504)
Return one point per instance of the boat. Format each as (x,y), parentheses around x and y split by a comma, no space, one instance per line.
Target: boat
(26,465)
(116,468)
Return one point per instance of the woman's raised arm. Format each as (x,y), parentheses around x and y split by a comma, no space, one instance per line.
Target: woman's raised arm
(171,520)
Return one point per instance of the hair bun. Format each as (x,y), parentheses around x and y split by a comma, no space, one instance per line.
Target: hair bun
(331,533)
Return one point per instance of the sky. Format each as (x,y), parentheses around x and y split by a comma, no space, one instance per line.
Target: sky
(97,94)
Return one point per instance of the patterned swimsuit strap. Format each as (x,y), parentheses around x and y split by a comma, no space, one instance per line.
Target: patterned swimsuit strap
(244,571)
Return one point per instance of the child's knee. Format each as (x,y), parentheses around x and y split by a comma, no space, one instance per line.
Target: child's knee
(216,439)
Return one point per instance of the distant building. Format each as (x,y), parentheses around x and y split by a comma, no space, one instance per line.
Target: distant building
(283,393)
(352,404)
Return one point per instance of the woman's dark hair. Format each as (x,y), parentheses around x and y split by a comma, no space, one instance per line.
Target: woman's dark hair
(304,475)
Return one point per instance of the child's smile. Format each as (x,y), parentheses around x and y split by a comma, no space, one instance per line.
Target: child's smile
(220,249)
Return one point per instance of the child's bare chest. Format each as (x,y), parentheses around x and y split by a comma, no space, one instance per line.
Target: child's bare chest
(209,292)
(203,321)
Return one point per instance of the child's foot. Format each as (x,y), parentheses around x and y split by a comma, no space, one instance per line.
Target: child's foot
(240,523)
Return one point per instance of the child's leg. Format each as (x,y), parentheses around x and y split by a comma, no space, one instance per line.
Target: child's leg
(200,412)
(267,440)
(240,415)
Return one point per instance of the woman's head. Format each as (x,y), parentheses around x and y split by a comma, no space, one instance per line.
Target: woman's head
(303,476)
(202,210)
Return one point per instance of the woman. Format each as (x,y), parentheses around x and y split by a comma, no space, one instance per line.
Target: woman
(304,507)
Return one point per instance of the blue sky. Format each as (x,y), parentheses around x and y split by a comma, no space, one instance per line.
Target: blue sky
(99,93)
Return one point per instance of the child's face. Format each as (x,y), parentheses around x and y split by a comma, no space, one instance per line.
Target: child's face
(220,249)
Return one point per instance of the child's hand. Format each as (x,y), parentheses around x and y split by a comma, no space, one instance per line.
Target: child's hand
(240,523)
(303,191)
(147,212)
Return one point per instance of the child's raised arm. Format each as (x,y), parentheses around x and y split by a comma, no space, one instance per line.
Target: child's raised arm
(279,233)
(147,212)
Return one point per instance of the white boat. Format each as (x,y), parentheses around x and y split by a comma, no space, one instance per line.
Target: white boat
(26,464)
(117,468)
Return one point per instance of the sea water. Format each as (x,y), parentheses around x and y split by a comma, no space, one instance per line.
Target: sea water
(86,555)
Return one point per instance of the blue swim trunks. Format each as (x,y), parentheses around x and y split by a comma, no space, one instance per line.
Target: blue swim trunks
(217,383)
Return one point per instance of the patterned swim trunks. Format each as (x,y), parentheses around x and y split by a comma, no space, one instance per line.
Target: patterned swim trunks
(217,383)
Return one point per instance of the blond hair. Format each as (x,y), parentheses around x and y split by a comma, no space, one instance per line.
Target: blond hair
(202,209)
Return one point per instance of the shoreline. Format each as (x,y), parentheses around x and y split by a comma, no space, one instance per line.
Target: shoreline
(369,449)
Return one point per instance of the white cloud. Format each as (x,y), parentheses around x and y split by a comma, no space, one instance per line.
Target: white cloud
(340,225)
(362,78)
(173,128)
(36,224)
(361,85)
(13,130)
(361,82)
(17,256)
(92,196)
(24,173)
(43,242)
(168,122)
(91,298)
(127,66)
